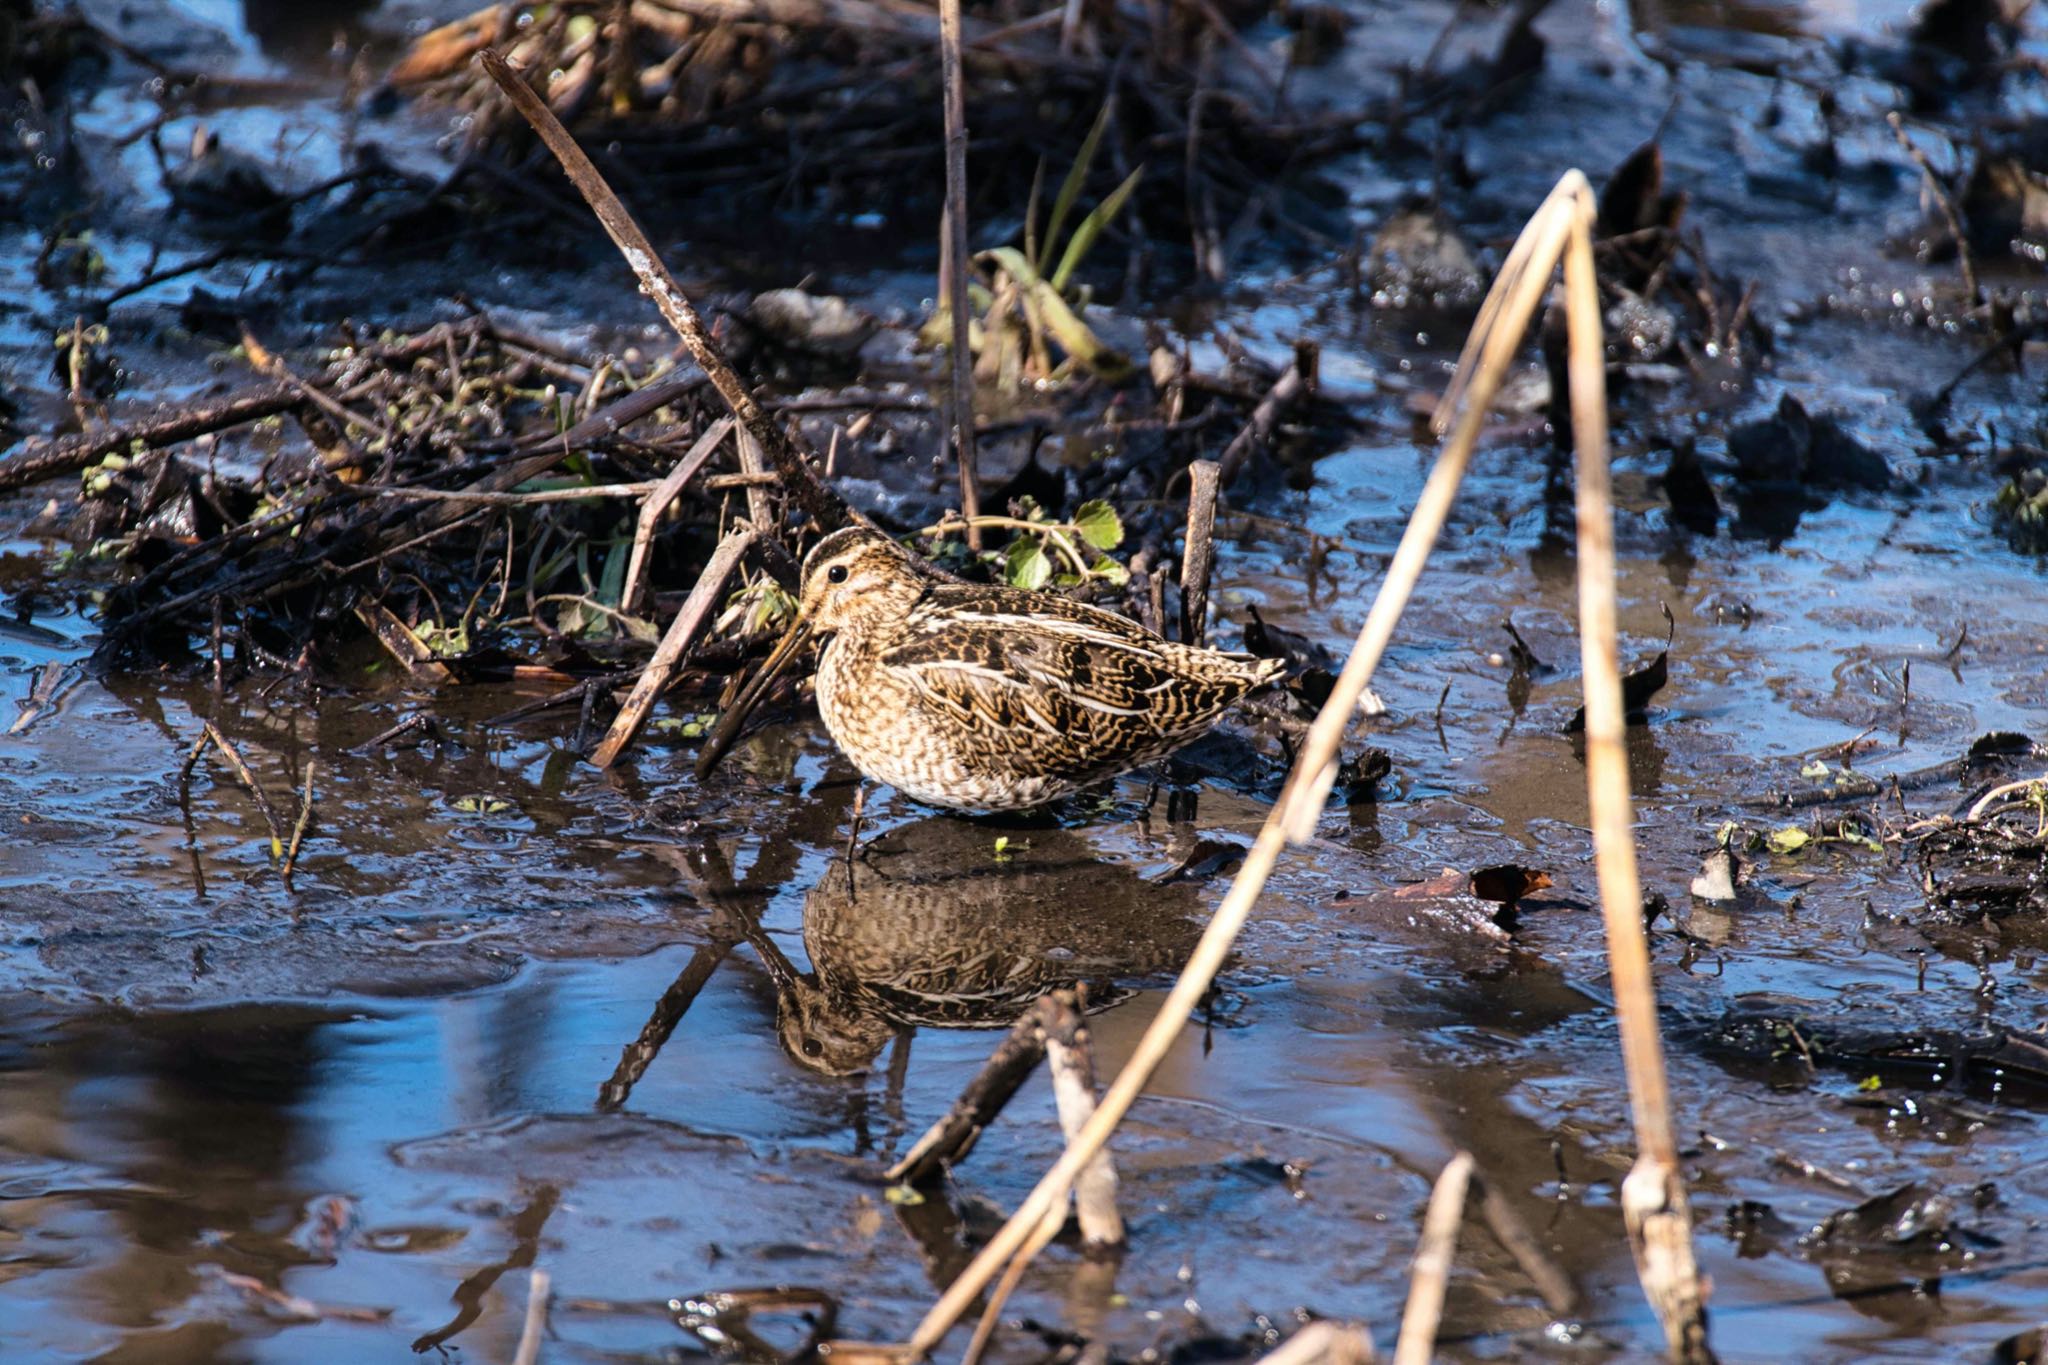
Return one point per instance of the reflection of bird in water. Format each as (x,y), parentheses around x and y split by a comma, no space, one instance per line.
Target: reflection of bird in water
(982,698)
(930,930)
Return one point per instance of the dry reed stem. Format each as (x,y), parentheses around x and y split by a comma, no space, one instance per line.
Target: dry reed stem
(1071,1060)
(538,1286)
(1041,1237)
(682,633)
(1198,558)
(953,229)
(1653,1197)
(1324,1343)
(667,491)
(1664,1257)
(1432,1271)
(1292,818)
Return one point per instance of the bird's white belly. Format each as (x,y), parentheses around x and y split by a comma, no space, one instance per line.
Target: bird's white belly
(918,760)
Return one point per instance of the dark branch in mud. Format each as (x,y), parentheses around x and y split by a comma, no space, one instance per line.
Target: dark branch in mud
(953,1137)
(817,501)
(73,454)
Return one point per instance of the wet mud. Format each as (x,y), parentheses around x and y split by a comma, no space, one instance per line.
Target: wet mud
(662,1040)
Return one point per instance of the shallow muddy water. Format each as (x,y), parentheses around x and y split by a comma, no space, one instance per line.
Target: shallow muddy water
(661,1042)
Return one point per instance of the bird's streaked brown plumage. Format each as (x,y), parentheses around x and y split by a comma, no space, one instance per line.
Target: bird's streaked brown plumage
(987,699)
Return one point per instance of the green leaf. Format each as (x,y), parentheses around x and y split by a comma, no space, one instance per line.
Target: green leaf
(1057,317)
(1869,1083)
(1815,770)
(1091,228)
(1025,564)
(1070,188)
(1788,840)
(1099,524)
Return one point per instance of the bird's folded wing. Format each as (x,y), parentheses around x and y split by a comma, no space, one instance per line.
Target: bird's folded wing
(1069,677)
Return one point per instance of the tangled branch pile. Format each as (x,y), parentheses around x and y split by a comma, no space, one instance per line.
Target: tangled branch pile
(830,110)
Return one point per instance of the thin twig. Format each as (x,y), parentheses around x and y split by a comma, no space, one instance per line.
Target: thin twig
(1432,1270)
(248,779)
(657,502)
(954,228)
(1940,195)
(682,633)
(1198,559)
(291,852)
(792,463)
(49,459)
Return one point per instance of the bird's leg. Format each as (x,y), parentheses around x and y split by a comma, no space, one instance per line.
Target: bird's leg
(1152,791)
(860,805)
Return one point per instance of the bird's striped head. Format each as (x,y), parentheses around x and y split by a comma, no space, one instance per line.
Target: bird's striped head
(857,575)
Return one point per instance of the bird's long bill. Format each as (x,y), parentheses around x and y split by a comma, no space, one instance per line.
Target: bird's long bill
(728,727)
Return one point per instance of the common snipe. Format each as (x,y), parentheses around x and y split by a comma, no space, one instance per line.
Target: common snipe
(987,699)
(932,933)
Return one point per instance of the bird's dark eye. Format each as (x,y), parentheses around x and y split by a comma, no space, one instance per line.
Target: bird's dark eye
(812,1047)
(837,573)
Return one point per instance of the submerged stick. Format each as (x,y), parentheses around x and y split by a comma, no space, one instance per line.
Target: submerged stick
(793,464)
(1555,1287)
(1653,1197)
(696,613)
(1198,559)
(1432,1273)
(953,1136)
(1297,383)
(538,1287)
(954,230)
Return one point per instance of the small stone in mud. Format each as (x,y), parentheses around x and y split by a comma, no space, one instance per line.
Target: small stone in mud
(822,324)
(1419,261)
